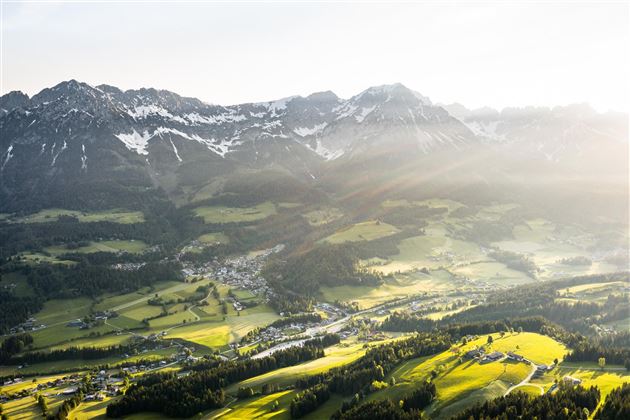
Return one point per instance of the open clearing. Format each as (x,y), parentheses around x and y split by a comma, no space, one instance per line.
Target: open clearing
(222,330)
(38,257)
(222,214)
(402,285)
(130,246)
(52,215)
(590,375)
(460,385)
(364,231)
(322,216)
(531,390)
(214,238)
(337,355)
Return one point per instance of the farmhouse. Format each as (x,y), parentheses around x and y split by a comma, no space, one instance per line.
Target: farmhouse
(493,357)
(571,380)
(76,323)
(514,356)
(475,353)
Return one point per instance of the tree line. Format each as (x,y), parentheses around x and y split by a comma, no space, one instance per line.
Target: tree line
(331,265)
(408,408)
(203,389)
(567,403)
(358,376)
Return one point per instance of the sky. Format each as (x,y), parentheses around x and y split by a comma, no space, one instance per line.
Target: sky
(494,54)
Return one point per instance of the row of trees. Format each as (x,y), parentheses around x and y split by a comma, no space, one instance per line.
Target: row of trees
(89,280)
(407,408)
(617,404)
(330,265)
(13,345)
(567,403)
(358,376)
(70,353)
(14,310)
(297,319)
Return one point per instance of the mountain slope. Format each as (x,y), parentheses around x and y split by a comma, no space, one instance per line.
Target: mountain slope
(74,134)
(76,145)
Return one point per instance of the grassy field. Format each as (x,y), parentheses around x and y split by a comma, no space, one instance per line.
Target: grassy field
(437,249)
(27,408)
(530,390)
(218,332)
(287,205)
(258,407)
(130,246)
(90,410)
(364,231)
(460,385)
(546,244)
(221,214)
(337,355)
(131,307)
(493,272)
(589,374)
(62,310)
(114,215)
(37,257)
(444,245)
(432,252)
(322,216)
(113,301)
(17,283)
(402,285)
(214,238)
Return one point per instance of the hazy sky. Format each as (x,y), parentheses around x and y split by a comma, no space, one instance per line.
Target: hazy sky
(477,54)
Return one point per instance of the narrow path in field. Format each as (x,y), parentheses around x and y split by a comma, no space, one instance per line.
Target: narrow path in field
(226,409)
(197,317)
(526,380)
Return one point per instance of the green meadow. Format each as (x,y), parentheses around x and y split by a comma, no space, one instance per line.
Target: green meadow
(52,215)
(364,231)
(222,214)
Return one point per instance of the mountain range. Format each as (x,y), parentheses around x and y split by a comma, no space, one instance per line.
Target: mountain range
(97,140)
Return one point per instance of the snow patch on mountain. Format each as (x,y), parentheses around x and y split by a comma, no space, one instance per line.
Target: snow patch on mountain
(485,129)
(144,111)
(9,155)
(324,152)
(83,158)
(280,105)
(345,110)
(309,131)
(175,149)
(135,141)
(360,116)
(226,118)
(64,147)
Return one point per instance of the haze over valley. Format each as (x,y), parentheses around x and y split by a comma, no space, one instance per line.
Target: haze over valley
(377,254)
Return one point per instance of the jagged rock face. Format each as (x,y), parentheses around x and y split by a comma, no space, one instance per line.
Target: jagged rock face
(12,100)
(77,131)
(76,134)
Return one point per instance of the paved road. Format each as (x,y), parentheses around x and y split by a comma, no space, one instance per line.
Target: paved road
(333,327)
